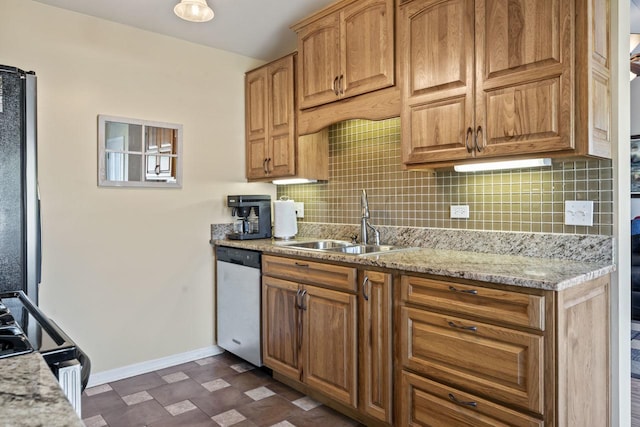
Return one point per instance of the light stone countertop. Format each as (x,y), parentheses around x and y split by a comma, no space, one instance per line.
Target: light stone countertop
(515,270)
(30,395)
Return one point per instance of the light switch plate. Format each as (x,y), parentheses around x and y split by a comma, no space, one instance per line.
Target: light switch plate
(460,211)
(578,212)
(299,207)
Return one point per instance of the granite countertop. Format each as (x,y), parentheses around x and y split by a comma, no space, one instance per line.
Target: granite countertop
(515,270)
(31,396)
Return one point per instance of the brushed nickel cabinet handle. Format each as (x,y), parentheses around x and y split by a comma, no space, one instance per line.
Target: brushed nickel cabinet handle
(479,147)
(465,328)
(340,84)
(335,86)
(298,306)
(463,291)
(269,170)
(302,264)
(467,138)
(264,166)
(303,306)
(364,288)
(460,402)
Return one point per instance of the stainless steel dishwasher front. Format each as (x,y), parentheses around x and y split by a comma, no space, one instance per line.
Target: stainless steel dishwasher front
(238,298)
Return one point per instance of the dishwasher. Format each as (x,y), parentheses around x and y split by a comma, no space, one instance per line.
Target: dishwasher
(238,299)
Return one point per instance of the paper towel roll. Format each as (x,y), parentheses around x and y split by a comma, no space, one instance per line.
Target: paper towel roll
(285,225)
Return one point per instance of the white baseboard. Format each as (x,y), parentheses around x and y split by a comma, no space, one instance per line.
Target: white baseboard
(151,365)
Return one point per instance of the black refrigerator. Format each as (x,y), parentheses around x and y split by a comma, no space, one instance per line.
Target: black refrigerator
(20,255)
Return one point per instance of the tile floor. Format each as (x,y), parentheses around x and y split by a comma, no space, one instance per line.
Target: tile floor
(221,390)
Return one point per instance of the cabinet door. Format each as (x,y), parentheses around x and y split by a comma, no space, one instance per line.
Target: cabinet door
(437,80)
(375,345)
(281,118)
(367,53)
(524,87)
(281,326)
(330,343)
(256,123)
(319,56)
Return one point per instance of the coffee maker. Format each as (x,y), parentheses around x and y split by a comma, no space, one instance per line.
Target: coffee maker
(252,217)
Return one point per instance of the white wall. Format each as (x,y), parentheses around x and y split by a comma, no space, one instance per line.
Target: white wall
(128,273)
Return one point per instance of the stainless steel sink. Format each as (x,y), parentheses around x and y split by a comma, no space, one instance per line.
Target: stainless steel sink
(369,249)
(319,245)
(349,248)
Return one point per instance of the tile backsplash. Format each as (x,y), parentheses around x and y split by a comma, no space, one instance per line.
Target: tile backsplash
(366,154)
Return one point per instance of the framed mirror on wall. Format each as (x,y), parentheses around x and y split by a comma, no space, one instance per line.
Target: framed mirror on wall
(139,153)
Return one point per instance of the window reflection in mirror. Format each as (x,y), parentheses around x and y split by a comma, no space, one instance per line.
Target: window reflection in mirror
(138,153)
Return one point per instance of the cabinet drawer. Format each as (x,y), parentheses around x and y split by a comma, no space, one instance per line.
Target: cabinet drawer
(507,307)
(316,273)
(428,403)
(488,360)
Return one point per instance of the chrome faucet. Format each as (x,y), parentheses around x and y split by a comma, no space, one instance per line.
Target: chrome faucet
(364,221)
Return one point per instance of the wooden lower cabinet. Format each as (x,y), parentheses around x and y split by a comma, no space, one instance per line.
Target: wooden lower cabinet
(329,343)
(334,342)
(376,350)
(281,344)
(460,367)
(310,332)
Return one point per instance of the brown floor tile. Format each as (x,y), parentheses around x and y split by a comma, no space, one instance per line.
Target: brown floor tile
(269,411)
(264,412)
(177,368)
(322,416)
(206,373)
(138,383)
(285,391)
(176,392)
(221,401)
(141,414)
(249,380)
(194,418)
(101,403)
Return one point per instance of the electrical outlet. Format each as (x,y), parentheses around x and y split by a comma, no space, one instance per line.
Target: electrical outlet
(578,212)
(299,207)
(460,211)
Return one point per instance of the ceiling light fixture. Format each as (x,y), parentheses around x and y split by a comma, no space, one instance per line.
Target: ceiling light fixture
(194,10)
(509,164)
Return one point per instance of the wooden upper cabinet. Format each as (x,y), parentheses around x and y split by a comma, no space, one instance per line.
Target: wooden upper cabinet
(345,50)
(437,79)
(270,120)
(524,86)
(503,78)
(319,48)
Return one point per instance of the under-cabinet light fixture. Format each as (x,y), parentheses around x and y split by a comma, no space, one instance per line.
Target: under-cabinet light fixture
(508,164)
(194,10)
(294,181)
